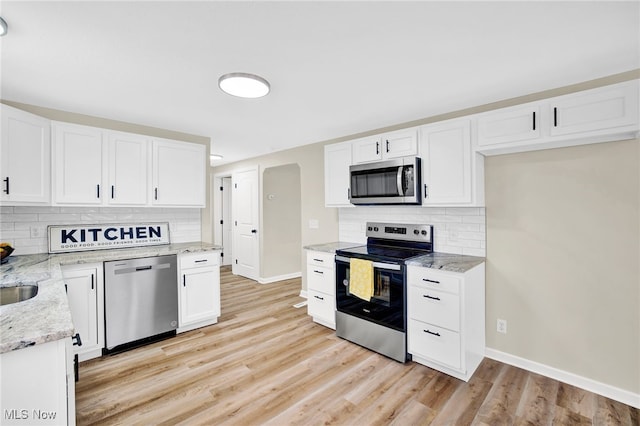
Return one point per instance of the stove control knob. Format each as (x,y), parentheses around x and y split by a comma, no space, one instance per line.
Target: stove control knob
(375,228)
(424,232)
(369,228)
(416,232)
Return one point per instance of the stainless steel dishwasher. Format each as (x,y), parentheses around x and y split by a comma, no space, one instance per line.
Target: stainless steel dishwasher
(140,301)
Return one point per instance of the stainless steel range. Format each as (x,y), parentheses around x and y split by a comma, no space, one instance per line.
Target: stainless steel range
(379,323)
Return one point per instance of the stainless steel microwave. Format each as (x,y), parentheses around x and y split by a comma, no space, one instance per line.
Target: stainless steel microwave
(394,181)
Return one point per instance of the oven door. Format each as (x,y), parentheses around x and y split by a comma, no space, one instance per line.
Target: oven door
(387,306)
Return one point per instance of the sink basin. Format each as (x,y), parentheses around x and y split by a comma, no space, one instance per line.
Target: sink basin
(17,294)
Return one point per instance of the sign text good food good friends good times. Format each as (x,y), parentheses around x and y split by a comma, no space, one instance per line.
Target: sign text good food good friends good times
(68,238)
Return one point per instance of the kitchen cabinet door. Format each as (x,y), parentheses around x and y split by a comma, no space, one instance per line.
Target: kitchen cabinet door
(403,143)
(77,165)
(129,166)
(366,149)
(199,290)
(337,159)
(445,149)
(179,174)
(25,158)
(84,292)
(515,124)
(595,110)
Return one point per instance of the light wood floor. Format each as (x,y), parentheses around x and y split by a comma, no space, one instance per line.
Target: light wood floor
(266,362)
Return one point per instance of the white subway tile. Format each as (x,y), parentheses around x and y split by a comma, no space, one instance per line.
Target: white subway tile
(7,226)
(6,210)
(23,217)
(471,236)
(36,209)
(470,227)
(474,252)
(473,219)
(445,219)
(13,235)
(463,211)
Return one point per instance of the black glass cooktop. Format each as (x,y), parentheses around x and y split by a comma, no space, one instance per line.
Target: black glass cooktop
(382,253)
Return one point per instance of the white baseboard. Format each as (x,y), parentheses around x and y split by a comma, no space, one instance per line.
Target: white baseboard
(279,278)
(621,395)
(303,293)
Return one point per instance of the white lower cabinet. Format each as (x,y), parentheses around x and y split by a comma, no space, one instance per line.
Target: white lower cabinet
(37,385)
(321,288)
(446,312)
(199,290)
(85,292)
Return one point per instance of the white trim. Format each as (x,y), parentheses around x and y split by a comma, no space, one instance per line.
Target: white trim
(303,293)
(620,395)
(279,278)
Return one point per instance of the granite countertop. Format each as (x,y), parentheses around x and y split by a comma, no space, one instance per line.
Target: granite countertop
(447,261)
(46,317)
(443,261)
(331,247)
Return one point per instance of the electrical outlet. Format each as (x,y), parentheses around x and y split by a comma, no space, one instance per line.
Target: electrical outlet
(36,232)
(501,326)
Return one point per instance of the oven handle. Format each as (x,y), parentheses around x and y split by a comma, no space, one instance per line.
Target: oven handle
(379,265)
(399,181)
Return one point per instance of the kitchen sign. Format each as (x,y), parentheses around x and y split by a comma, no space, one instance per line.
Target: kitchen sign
(70,238)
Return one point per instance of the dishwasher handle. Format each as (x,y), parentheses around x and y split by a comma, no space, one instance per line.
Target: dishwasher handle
(143,268)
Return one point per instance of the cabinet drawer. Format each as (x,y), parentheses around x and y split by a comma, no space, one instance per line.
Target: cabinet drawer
(200,259)
(433,279)
(321,306)
(435,343)
(434,307)
(321,279)
(319,258)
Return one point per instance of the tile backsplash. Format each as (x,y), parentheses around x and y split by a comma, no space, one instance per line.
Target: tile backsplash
(459,230)
(25,228)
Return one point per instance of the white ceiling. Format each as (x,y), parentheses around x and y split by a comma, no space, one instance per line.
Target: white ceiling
(335,68)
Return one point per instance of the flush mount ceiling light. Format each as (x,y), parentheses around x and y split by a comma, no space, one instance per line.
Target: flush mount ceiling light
(244,85)
(3,27)
(213,158)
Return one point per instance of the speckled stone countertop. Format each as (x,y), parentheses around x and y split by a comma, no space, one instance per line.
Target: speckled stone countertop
(447,262)
(331,247)
(443,261)
(46,317)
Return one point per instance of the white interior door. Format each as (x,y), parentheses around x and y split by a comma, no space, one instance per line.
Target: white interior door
(245,215)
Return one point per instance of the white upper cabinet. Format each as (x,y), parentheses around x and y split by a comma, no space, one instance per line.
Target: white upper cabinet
(401,143)
(597,110)
(77,165)
(603,114)
(179,170)
(510,125)
(452,174)
(337,159)
(129,165)
(25,158)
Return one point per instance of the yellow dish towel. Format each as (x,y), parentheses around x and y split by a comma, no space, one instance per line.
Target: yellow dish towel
(361,278)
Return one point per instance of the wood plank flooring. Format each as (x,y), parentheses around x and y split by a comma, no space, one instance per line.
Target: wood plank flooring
(266,362)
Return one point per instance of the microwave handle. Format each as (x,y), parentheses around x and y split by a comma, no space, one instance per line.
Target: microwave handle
(399,181)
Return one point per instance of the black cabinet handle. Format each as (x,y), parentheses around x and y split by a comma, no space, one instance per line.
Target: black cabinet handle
(426,191)
(377,148)
(155,192)
(184,280)
(254,231)
(534,120)
(318,272)
(387,145)
(430,297)
(78,340)
(200,261)
(555,116)
(92,281)
(113,190)
(430,281)
(98,190)
(6,185)
(318,260)
(318,297)
(432,333)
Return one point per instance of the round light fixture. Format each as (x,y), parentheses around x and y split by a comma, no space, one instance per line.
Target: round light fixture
(3,27)
(244,85)
(213,158)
